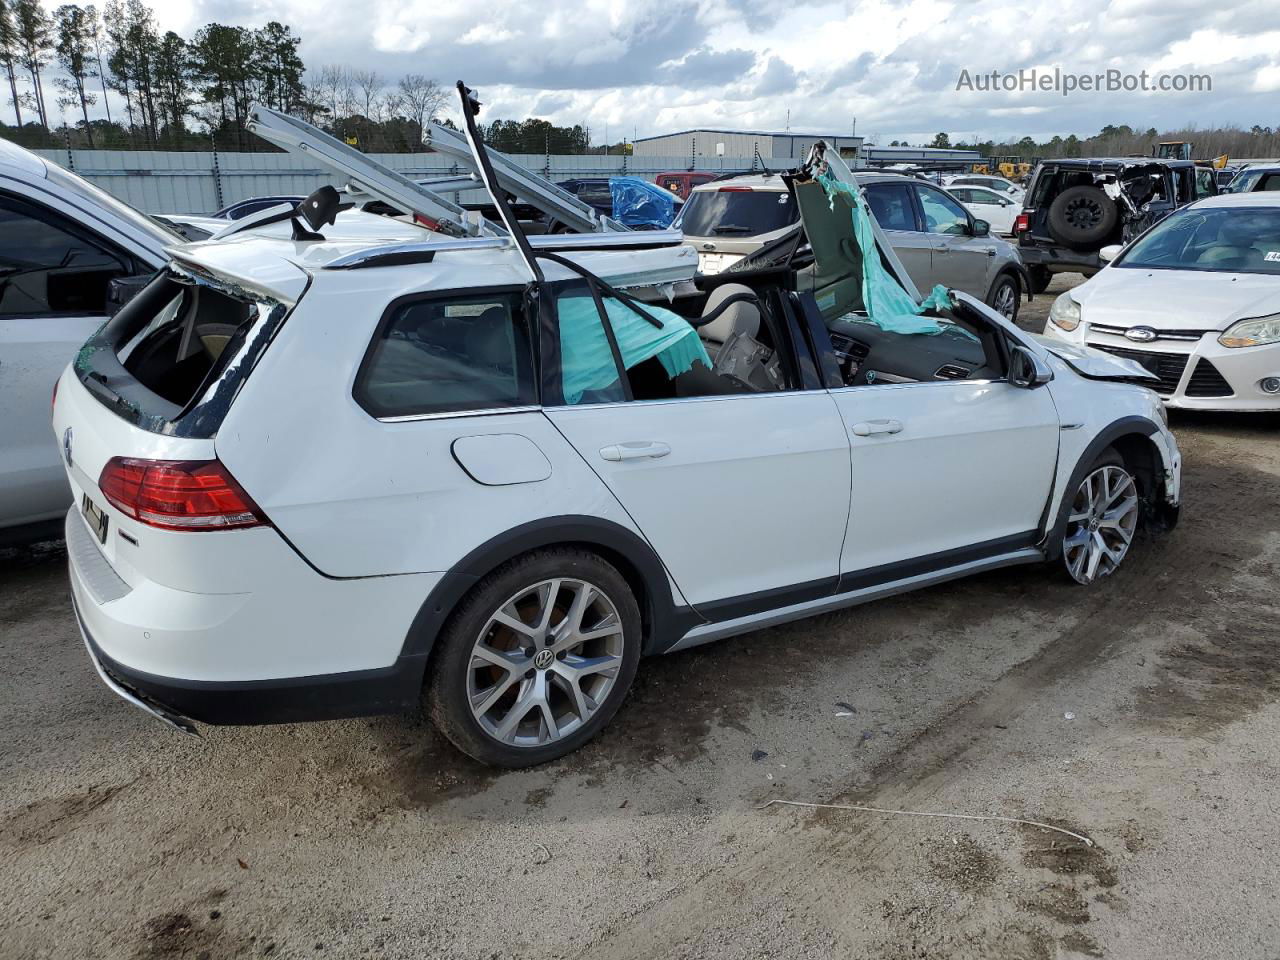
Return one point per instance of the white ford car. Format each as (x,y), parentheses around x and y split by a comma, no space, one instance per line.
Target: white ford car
(1195,300)
(328,478)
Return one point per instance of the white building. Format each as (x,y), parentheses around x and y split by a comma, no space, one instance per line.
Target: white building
(708,142)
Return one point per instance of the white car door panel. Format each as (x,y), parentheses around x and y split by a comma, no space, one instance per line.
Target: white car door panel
(33,353)
(944,465)
(738,494)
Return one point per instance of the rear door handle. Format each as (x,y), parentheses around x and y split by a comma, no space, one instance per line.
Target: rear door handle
(635,450)
(874,428)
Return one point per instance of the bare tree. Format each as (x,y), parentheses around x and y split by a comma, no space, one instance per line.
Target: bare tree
(369,85)
(423,99)
(389,105)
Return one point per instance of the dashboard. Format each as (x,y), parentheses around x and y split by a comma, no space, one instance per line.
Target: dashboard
(870,355)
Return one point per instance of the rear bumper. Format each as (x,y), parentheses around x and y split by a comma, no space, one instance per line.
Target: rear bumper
(1059,259)
(181,703)
(224,658)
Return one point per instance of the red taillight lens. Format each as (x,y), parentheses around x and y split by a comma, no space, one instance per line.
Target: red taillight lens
(1022,223)
(424,221)
(178,494)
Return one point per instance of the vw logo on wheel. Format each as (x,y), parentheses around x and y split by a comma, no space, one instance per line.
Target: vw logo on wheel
(543,659)
(1140,334)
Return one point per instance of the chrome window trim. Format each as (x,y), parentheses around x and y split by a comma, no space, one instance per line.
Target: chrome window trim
(455,414)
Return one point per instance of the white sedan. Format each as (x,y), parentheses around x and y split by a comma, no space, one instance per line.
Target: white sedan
(1195,300)
(998,209)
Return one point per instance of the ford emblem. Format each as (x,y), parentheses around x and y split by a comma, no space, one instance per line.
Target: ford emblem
(1140,334)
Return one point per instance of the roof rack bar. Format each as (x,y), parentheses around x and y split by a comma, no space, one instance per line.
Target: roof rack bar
(529,187)
(366,174)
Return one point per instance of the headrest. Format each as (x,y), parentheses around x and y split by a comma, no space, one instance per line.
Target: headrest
(741,317)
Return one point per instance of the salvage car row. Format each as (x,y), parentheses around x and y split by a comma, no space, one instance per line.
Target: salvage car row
(330,463)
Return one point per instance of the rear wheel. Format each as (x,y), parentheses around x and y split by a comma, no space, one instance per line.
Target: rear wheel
(537,659)
(1004,297)
(1101,521)
(1040,279)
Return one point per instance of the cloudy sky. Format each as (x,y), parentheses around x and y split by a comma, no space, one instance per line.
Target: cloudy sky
(654,66)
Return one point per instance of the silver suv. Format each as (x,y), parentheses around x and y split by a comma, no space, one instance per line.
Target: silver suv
(935,237)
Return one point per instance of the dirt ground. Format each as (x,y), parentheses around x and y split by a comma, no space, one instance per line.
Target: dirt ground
(1141,712)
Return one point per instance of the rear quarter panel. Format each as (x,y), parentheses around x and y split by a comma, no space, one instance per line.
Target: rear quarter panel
(358,497)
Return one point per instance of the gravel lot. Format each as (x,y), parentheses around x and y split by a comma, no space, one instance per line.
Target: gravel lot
(372,838)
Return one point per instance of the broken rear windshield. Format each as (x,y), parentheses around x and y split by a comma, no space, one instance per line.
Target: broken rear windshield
(174,357)
(730,213)
(1223,239)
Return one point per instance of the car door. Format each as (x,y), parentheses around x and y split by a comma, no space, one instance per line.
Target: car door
(944,470)
(987,205)
(743,495)
(894,208)
(960,260)
(54,278)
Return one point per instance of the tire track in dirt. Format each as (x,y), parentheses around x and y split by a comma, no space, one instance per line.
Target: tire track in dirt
(1187,578)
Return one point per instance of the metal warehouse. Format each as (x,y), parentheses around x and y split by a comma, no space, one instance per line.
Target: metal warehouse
(709,142)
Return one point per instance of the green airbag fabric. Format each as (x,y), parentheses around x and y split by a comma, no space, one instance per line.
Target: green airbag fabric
(585,357)
(888,306)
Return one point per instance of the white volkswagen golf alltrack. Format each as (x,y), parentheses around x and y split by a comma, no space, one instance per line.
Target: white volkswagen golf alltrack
(320,479)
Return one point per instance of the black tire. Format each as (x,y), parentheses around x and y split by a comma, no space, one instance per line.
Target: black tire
(1040,279)
(1072,558)
(1082,217)
(452,670)
(1005,295)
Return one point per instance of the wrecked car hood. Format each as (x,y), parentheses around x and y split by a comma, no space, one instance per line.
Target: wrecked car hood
(1095,364)
(1175,299)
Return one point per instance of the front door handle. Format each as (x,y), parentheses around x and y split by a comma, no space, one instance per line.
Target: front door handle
(635,450)
(874,428)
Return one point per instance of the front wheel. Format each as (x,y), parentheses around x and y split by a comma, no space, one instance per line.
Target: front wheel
(537,659)
(1102,520)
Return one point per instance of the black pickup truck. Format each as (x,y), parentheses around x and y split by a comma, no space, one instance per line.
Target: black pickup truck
(1075,207)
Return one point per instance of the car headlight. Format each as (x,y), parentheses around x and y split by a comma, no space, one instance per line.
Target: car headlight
(1065,312)
(1252,332)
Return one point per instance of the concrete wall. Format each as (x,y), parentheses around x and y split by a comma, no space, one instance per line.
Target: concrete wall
(174,182)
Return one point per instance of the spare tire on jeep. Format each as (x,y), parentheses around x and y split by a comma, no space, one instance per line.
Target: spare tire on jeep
(1082,217)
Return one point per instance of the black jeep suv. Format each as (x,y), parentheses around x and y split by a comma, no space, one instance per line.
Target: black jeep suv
(1075,207)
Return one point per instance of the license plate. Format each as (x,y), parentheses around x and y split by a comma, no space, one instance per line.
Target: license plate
(96,517)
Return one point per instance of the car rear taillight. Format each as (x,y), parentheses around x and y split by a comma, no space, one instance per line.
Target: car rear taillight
(425,221)
(178,494)
(1022,223)
(735,189)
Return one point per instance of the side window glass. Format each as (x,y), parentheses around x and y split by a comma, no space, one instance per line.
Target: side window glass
(891,205)
(48,269)
(449,355)
(942,214)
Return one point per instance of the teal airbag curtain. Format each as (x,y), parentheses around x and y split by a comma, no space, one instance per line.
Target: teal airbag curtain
(586,360)
(888,306)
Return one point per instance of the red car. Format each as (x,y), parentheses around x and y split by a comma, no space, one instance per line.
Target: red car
(680,182)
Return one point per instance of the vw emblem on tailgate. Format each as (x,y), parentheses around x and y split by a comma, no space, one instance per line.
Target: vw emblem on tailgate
(66,445)
(1140,334)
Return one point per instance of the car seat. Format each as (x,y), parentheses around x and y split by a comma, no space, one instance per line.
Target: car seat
(742,317)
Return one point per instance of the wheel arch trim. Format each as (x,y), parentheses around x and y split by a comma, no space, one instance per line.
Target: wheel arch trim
(1130,426)
(625,549)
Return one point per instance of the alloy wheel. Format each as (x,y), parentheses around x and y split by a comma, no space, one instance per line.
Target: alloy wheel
(1101,524)
(1005,301)
(545,662)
